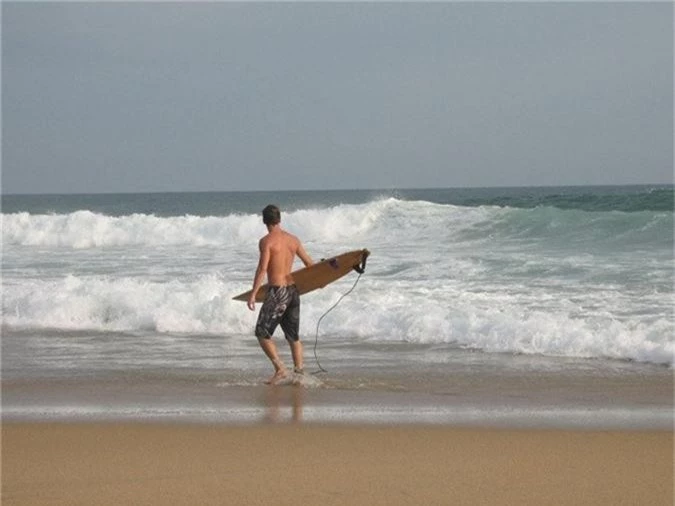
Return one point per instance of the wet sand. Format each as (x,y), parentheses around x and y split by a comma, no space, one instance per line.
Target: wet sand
(290,464)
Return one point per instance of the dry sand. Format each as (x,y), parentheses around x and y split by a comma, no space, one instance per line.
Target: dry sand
(153,464)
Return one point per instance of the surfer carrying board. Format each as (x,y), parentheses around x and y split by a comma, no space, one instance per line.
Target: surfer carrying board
(278,249)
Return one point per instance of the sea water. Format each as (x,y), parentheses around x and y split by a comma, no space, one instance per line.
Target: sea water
(488,293)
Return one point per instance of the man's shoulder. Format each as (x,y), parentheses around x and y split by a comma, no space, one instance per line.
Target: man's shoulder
(291,238)
(275,237)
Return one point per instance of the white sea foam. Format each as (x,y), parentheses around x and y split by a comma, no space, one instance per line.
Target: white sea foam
(84,229)
(375,312)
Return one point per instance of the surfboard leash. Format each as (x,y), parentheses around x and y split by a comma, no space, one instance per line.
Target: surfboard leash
(358,268)
(316,337)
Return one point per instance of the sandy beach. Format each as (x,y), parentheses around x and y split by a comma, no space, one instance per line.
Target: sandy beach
(159,464)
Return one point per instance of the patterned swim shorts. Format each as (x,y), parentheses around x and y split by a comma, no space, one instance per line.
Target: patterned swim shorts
(281,306)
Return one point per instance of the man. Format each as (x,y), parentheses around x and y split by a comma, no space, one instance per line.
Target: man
(282,303)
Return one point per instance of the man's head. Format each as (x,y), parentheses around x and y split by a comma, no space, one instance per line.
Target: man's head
(271,215)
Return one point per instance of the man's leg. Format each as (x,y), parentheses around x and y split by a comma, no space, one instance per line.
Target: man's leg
(267,322)
(270,350)
(290,323)
(296,352)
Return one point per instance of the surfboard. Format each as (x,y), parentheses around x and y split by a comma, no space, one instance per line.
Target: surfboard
(319,274)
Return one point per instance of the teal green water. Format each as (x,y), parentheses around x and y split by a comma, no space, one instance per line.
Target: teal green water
(586,198)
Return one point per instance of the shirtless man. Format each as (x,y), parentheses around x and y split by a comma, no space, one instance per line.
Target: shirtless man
(282,303)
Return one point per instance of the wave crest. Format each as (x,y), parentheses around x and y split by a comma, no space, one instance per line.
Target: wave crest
(374,221)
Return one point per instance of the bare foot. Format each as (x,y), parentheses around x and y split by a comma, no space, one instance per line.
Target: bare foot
(278,376)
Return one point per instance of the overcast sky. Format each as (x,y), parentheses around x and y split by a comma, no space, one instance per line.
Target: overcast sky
(112,97)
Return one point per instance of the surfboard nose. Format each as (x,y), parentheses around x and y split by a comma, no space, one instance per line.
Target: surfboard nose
(361,268)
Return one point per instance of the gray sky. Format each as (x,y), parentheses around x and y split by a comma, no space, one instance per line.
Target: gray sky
(112,97)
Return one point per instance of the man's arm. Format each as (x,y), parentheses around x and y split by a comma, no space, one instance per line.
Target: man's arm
(306,259)
(260,272)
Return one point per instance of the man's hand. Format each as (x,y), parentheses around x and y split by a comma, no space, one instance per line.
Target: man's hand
(251,302)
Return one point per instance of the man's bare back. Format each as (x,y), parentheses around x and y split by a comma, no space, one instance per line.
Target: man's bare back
(282,248)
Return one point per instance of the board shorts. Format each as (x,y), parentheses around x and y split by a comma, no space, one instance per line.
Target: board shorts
(281,306)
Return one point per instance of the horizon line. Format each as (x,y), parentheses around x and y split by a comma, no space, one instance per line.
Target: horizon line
(168,192)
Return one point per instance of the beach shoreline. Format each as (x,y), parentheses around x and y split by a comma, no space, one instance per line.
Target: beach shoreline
(157,463)
(483,402)
(561,433)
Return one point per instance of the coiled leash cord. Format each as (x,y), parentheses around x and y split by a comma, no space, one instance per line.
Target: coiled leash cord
(358,268)
(316,337)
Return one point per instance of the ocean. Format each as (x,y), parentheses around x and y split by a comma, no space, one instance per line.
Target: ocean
(515,305)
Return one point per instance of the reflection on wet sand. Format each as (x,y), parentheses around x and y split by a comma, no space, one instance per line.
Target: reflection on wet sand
(281,399)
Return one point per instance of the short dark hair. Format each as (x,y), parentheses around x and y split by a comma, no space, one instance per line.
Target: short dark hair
(271,215)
